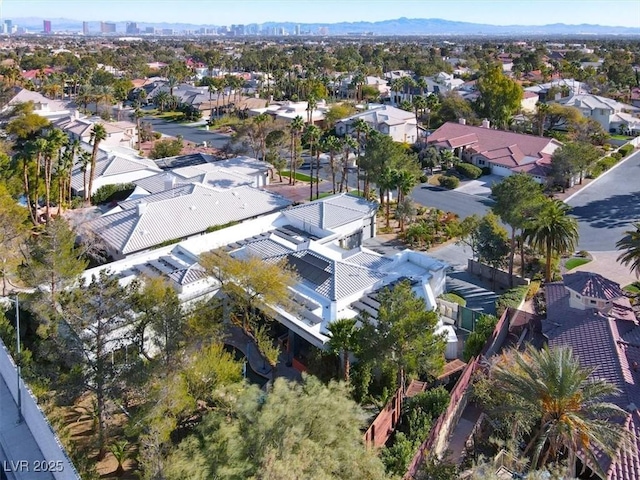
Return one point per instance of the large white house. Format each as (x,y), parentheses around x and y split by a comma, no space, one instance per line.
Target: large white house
(322,241)
(614,116)
(394,122)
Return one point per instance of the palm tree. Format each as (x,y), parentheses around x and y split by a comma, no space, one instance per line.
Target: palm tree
(630,243)
(419,105)
(297,124)
(312,104)
(348,144)
(359,126)
(55,139)
(397,86)
(332,146)
(342,340)
(137,115)
(387,181)
(120,451)
(161,99)
(311,135)
(552,231)
(567,401)
(98,134)
(433,102)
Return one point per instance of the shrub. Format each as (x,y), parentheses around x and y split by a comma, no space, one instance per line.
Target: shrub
(452,297)
(511,298)
(468,170)
(616,155)
(486,170)
(424,178)
(167,148)
(625,150)
(475,342)
(533,289)
(431,403)
(582,253)
(448,181)
(110,193)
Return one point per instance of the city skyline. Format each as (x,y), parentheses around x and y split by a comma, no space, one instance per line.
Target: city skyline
(623,13)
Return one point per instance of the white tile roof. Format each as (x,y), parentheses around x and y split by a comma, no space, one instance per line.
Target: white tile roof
(166,217)
(333,211)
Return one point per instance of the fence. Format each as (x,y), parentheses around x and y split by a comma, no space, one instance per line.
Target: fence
(436,444)
(52,450)
(385,423)
(500,278)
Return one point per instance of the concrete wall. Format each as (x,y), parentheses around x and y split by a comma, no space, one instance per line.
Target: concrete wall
(501,278)
(41,430)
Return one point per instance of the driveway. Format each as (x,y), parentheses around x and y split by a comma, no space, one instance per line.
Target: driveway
(191,133)
(481,186)
(606,264)
(608,206)
(462,204)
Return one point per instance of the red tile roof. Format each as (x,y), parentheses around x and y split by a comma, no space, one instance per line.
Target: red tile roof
(592,285)
(508,149)
(612,348)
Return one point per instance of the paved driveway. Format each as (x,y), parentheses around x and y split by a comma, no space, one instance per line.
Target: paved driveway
(192,133)
(462,204)
(481,186)
(607,207)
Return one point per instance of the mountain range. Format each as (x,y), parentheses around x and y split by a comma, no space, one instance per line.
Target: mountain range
(397,27)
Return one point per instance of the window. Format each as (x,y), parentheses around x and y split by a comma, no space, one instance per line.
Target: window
(577,296)
(480,162)
(592,302)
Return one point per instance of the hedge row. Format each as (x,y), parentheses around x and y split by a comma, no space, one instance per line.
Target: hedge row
(468,170)
(449,181)
(511,299)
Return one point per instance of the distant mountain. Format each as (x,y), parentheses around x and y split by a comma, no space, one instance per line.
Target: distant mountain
(397,27)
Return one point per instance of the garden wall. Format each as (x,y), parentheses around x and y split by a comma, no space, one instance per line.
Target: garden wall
(501,278)
(385,423)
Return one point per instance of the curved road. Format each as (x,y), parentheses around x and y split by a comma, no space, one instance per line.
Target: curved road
(192,133)
(608,206)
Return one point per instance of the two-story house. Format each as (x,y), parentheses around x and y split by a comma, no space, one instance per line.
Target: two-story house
(614,116)
(394,122)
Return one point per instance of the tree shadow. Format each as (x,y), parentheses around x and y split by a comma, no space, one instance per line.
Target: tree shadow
(614,212)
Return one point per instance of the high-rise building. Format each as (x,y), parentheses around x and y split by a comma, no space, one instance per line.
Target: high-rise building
(297,30)
(7,27)
(132,28)
(85,28)
(107,27)
(46,26)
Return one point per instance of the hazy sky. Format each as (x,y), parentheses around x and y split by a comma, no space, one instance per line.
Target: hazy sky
(225,12)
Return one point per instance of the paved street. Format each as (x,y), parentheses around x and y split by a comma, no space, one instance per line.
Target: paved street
(463,204)
(191,133)
(608,206)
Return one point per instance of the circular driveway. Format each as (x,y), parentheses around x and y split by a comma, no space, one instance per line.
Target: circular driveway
(607,207)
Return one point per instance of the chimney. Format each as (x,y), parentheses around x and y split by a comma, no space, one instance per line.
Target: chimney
(462,121)
(486,123)
(142,208)
(169,182)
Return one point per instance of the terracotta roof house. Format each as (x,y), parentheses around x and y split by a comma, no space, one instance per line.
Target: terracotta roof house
(504,152)
(590,314)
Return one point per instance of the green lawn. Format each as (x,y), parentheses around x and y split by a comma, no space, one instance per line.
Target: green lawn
(575,262)
(299,176)
(620,137)
(633,288)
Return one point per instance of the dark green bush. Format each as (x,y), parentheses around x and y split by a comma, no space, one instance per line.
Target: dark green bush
(486,170)
(617,155)
(424,178)
(468,170)
(511,298)
(112,193)
(449,181)
(626,150)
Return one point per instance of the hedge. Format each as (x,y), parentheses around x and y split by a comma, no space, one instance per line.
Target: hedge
(626,150)
(110,193)
(449,181)
(452,297)
(511,298)
(468,170)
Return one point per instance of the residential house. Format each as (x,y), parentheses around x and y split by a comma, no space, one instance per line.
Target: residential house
(529,103)
(591,314)
(635,96)
(569,85)
(322,242)
(614,116)
(43,106)
(504,152)
(113,166)
(394,122)
(119,134)
(288,110)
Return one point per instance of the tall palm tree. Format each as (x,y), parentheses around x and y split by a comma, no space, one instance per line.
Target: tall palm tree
(359,126)
(419,105)
(55,140)
(572,418)
(433,102)
(342,341)
(552,231)
(85,162)
(137,115)
(348,144)
(161,99)
(386,181)
(98,134)
(630,243)
(311,135)
(297,124)
(332,146)
(312,104)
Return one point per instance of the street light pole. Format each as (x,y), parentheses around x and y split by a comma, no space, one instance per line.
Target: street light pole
(18,360)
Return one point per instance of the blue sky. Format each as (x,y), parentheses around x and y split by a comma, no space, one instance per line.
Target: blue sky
(224,12)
